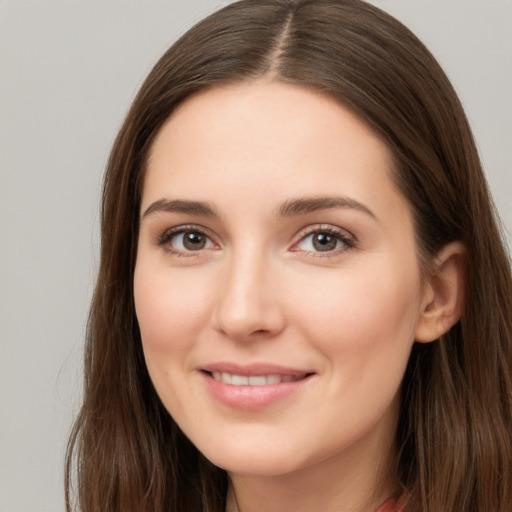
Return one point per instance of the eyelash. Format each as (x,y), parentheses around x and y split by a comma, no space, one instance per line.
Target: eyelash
(165,239)
(348,241)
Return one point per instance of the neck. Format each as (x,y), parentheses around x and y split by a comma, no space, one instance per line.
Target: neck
(360,485)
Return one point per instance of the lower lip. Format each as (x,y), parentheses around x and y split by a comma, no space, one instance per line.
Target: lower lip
(252,397)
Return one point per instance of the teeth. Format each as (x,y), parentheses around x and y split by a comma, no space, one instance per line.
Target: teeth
(257,381)
(254,380)
(239,380)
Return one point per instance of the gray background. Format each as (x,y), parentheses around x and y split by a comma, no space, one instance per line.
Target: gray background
(68,71)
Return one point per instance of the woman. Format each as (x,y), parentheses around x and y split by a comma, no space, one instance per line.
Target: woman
(303,299)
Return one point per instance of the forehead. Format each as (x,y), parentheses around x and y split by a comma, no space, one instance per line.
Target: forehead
(267,139)
(265,113)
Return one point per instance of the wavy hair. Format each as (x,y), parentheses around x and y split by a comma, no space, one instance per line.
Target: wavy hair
(454,438)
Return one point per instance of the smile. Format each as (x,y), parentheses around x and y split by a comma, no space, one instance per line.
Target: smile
(255,386)
(254,380)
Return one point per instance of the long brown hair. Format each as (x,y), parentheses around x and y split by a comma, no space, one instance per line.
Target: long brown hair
(454,438)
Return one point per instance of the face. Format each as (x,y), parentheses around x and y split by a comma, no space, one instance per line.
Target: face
(277,285)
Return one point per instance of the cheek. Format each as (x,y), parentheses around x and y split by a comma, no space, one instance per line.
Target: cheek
(363,325)
(366,315)
(170,312)
(169,309)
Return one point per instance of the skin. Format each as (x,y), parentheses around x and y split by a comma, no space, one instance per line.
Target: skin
(260,291)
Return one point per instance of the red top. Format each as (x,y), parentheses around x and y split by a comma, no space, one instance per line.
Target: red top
(389,506)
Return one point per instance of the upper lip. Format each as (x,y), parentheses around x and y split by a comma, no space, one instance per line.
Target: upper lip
(253,369)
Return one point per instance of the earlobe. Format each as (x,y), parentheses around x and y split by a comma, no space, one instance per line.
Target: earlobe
(444,294)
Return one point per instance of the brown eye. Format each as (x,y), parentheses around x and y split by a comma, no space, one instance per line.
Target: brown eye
(186,240)
(194,241)
(324,241)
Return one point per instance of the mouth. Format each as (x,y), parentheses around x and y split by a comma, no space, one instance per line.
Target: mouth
(254,386)
(255,380)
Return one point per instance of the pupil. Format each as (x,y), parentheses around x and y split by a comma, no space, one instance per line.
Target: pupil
(193,240)
(324,242)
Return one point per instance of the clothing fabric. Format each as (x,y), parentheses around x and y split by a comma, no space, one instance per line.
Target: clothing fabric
(389,506)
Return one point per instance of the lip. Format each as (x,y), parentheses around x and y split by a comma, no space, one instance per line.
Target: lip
(252,397)
(254,369)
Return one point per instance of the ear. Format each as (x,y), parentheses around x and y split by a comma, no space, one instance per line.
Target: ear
(444,294)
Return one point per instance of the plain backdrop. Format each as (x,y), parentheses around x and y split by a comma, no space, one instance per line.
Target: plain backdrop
(68,71)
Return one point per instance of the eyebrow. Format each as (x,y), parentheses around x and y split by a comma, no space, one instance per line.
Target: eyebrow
(305,205)
(290,208)
(181,206)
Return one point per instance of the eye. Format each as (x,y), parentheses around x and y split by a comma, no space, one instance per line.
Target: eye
(185,240)
(325,240)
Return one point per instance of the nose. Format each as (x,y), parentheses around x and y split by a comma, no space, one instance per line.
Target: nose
(248,306)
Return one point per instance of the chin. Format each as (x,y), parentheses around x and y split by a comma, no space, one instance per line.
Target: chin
(249,465)
(252,460)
